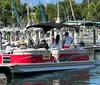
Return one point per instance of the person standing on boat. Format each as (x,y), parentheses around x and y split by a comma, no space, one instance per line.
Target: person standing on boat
(9,49)
(57,42)
(57,45)
(67,41)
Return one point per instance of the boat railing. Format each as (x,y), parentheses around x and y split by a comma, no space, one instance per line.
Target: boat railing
(31,51)
(4,57)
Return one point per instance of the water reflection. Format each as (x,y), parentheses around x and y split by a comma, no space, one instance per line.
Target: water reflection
(71,77)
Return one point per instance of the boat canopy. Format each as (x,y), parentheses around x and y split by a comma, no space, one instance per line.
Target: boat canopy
(48,26)
(96,24)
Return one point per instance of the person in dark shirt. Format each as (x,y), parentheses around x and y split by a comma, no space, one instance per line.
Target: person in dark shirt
(44,44)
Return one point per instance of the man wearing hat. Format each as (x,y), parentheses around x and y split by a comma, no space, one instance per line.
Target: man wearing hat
(22,45)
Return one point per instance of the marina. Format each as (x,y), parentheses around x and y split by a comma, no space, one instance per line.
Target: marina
(40,60)
(38,47)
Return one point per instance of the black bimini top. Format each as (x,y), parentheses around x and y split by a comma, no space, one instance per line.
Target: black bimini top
(48,26)
(96,24)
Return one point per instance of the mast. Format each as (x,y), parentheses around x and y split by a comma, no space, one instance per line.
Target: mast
(28,20)
(43,17)
(58,15)
(13,3)
(72,9)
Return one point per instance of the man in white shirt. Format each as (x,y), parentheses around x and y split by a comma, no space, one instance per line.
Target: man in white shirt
(67,41)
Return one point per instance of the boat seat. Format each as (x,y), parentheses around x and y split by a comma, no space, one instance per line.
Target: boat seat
(41,49)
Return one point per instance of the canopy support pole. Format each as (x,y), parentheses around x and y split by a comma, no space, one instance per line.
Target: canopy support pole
(94,36)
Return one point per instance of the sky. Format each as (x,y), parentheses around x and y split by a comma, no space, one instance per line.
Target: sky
(35,2)
(79,1)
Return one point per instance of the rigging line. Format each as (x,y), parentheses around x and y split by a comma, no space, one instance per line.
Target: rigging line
(13,4)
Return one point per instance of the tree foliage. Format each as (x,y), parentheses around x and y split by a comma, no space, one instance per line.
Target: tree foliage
(98,9)
(51,12)
(90,12)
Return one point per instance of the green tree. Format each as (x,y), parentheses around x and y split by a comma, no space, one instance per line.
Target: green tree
(66,6)
(92,12)
(98,10)
(51,12)
(84,10)
(38,13)
(5,10)
(78,11)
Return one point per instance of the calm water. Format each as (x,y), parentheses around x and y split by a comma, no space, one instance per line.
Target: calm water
(68,77)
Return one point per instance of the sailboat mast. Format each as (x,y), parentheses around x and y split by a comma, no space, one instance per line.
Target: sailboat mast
(58,8)
(43,17)
(28,20)
(13,3)
(72,9)
(58,15)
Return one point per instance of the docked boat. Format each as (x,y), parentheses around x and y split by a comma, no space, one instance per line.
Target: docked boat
(42,60)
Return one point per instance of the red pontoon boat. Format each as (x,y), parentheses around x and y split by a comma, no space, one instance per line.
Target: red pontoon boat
(41,60)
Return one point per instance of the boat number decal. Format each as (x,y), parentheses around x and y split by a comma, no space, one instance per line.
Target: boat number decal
(46,56)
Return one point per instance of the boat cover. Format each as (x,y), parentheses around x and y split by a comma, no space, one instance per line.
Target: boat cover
(96,24)
(48,26)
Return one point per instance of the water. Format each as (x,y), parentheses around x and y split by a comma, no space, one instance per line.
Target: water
(69,77)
